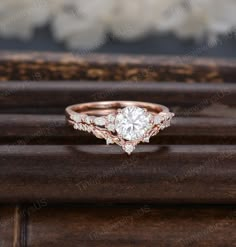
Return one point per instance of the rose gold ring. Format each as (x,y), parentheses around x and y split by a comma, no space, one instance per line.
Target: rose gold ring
(125,123)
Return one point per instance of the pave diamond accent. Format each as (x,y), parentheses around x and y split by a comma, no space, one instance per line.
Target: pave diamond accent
(87,120)
(146,139)
(109,141)
(128,148)
(111,118)
(163,120)
(100,121)
(111,127)
(132,123)
(158,119)
(77,118)
(162,116)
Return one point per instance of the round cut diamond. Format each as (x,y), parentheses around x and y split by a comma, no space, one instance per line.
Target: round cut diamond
(132,123)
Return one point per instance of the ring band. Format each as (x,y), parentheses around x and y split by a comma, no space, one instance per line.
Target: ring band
(125,123)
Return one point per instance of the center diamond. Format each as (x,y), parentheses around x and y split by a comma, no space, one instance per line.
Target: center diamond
(132,123)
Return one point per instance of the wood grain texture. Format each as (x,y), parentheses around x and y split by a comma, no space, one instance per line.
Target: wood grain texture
(24,129)
(73,225)
(193,97)
(153,174)
(73,66)
(67,167)
(142,226)
(11,226)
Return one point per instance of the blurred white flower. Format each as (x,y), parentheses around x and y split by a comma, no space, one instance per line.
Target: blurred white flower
(19,18)
(202,18)
(85,24)
(131,19)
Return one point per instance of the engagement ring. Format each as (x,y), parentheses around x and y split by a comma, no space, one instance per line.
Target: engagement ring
(125,123)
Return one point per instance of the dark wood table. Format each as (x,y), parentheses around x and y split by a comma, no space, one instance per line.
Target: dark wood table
(63,188)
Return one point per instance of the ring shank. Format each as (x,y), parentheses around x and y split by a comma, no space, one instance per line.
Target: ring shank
(103,108)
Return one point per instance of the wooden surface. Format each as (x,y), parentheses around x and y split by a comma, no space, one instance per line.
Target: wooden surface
(39,96)
(44,164)
(51,129)
(73,66)
(153,174)
(142,226)
(9,234)
(126,227)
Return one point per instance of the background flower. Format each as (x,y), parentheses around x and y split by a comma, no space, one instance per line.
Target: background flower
(85,25)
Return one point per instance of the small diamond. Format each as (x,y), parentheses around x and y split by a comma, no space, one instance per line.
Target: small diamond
(111,118)
(79,126)
(76,126)
(82,127)
(162,127)
(158,119)
(164,115)
(111,127)
(146,139)
(109,141)
(128,148)
(165,124)
(101,121)
(86,128)
(82,117)
(76,118)
(87,120)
